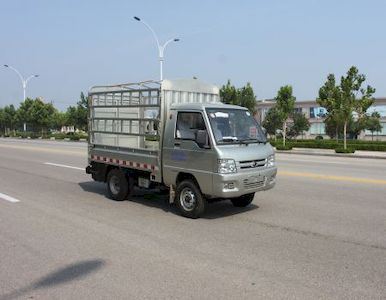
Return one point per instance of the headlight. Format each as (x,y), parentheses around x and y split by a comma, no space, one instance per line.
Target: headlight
(271,160)
(226,166)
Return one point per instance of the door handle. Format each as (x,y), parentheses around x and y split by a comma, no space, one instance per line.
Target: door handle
(178,144)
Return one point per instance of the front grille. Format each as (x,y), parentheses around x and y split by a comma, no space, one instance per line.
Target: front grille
(248,164)
(248,184)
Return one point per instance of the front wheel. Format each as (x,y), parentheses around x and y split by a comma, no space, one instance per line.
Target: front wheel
(189,199)
(117,185)
(243,200)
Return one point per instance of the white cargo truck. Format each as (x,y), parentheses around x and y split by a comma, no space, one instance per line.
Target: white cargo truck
(177,136)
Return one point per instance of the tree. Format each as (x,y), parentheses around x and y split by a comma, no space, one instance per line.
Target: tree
(58,120)
(342,101)
(285,104)
(373,123)
(330,99)
(72,116)
(333,126)
(42,114)
(247,98)
(7,118)
(77,116)
(228,94)
(2,121)
(299,125)
(23,113)
(82,112)
(243,96)
(272,121)
(37,114)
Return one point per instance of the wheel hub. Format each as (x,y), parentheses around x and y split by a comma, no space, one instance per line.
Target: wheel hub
(114,185)
(187,199)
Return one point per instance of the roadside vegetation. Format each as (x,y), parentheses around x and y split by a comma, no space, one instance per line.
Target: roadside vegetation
(346,103)
(352,145)
(43,120)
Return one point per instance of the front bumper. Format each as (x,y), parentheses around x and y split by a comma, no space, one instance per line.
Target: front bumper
(238,184)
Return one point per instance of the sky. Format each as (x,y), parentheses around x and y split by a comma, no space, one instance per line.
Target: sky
(73,45)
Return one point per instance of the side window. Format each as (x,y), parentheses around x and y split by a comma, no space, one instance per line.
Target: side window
(187,125)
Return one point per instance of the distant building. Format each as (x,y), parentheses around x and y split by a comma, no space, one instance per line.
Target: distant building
(67,129)
(316,114)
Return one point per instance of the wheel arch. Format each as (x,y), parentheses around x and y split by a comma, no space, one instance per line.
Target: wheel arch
(184,176)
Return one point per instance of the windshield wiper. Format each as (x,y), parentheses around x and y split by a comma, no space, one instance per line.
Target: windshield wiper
(229,139)
(252,140)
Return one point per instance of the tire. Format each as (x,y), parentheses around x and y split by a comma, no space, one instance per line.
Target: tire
(243,201)
(189,199)
(117,185)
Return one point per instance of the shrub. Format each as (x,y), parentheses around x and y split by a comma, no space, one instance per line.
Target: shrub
(58,135)
(28,134)
(74,137)
(342,150)
(69,136)
(370,147)
(318,137)
(333,144)
(286,147)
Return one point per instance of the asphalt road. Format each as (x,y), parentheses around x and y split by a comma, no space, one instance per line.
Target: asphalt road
(319,234)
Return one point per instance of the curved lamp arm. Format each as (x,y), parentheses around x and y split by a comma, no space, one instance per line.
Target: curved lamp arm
(162,49)
(17,72)
(152,31)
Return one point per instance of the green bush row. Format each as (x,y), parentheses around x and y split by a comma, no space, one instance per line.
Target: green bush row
(71,136)
(57,136)
(286,147)
(323,144)
(342,150)
(332,141)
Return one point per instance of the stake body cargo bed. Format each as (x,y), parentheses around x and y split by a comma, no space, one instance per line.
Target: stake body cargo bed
(126,121)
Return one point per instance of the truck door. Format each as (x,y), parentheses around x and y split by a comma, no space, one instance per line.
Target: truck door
(185,155)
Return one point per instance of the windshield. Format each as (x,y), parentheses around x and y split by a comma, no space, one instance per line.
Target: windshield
(234,126)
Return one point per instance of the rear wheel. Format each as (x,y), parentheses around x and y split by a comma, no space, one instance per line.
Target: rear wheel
(243,201)
(189,199)
(117,185)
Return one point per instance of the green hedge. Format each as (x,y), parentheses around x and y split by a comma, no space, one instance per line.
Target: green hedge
(286,147)
(71,136)
(332,141)
(333,144)
(29,135)
(370,147)
(342,150)
(57,136)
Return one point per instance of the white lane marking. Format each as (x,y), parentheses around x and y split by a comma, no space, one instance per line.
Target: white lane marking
(63,166)
(8,198)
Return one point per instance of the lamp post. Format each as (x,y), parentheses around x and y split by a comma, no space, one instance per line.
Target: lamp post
(161,48)
(24,82)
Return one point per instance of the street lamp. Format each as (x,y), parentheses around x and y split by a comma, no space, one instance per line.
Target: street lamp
(161,48)
(24,82)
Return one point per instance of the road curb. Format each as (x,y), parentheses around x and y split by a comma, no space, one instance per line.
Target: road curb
(332,154)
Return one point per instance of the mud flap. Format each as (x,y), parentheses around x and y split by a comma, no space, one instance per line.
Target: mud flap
(172,194)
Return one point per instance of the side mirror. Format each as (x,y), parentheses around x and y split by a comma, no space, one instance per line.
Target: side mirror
(202,139)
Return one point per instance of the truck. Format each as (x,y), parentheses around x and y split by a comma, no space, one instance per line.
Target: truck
(177,137)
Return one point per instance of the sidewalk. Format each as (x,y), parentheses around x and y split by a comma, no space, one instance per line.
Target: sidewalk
(331,152)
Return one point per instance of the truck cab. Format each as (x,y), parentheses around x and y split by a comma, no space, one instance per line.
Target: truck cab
(219,148)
